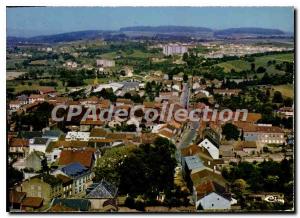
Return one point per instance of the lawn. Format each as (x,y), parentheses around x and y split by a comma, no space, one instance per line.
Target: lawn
(289,57)
(237,65)
(286,90)
(19,86)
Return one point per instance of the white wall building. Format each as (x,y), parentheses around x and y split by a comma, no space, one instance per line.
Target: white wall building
(172,49)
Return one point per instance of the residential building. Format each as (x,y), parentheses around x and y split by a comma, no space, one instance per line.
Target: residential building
(38,144)
(102,196)
(34,161)
(80,136)
(84,157)
(172,49)
(45,186)
(18,147)
(82,176)
(105,63)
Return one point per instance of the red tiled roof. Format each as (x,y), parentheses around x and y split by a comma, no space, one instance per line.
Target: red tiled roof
(60,208)
(16,197)
(84,157)
(17,142)
(32,202)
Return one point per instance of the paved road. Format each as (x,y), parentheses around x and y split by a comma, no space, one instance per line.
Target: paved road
(185,95)
(189,134)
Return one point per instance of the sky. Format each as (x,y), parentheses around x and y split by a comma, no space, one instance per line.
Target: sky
(32,21)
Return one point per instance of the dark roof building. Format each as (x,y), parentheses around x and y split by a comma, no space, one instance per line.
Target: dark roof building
(103,189)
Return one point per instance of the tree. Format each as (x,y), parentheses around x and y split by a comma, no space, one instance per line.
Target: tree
(288,102)
(230,131)
(242,136)
(185,56)
(14,176)
(277,98)
(261,70)
(240,185)
(149,169)
(253,67)
(45,167)
(185,77)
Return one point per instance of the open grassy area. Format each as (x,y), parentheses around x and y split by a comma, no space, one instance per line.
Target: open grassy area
(289,57)
(239,65)
(134,54)
(20,86)
(286,90)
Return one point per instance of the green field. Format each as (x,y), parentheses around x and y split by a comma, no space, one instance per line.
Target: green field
(134,54)
(239,65)
(19,87)
(286,90)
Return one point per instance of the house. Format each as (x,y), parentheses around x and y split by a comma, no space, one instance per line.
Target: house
(98,133)
(105,63)
(38,144)
(16,198)
(211,146)
(262,133)
(102,196)
(191,164)
(227,92)
(249,147)
(46,90)
(45,186)
(84,157)
(36,98)
(18,147)
(82,176)
(211,187)
(80,136)
(212,196)
(15,104)
(286,111)
(31,203)
(53,135)
(70,205)
(67,185)
(34,161)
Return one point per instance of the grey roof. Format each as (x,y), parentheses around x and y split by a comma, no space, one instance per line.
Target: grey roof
(52,133)
(76,204)
(40,141)
(193,162)
(130,84)
(30,134)
(103,190)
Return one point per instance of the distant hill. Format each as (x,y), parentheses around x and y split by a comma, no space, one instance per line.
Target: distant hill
(63,37)
(248,30)
(154,32)
(166,29)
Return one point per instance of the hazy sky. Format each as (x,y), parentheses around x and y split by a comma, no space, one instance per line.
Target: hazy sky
(50,20)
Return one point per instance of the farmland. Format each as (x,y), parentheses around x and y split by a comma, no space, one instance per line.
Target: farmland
(240,65)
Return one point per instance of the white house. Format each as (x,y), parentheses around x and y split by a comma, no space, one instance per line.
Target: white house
(212,196)
(77,136)
(38,144)
(214,201)
(211,147)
